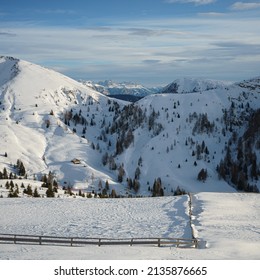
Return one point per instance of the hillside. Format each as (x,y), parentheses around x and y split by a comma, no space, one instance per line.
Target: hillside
(188,85)
(37,106)
(161,145)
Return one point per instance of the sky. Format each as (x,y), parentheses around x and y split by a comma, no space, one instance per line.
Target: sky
(151,42)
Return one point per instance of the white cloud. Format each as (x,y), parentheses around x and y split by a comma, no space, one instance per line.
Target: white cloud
(196,2)
(212,14)
(148,50)
(240,6)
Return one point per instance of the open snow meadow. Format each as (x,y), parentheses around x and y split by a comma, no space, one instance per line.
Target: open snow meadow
(228,223)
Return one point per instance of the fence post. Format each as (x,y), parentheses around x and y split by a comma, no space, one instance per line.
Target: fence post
(132,239)
(159,242)
(14,239)
(40,240)
(71,241)
(99,242)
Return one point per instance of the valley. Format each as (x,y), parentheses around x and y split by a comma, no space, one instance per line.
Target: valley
(155,146)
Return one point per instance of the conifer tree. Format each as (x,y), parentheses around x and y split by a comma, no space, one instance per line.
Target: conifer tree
(50,192)
(113,193)
(107,185)
(130,183)
(28,190)
(136,185)
(121,173)
(100,185)
(137,173)
(36,193)
(5,174)
(202,176)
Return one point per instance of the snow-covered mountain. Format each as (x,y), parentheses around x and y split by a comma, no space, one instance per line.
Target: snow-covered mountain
(122,90)
(40,114)
(161,145)
(188,85)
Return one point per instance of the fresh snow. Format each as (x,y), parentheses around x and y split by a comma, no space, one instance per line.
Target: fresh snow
(228,224)
(27,100)
(189,85)
(31,92)
(125,88)
(32,128)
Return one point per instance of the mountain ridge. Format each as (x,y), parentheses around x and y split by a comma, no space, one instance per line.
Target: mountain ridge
(189,85)
(111,88)
(156,146)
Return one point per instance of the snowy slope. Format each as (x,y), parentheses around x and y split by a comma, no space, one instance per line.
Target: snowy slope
(8,69)
(47,120)
(188,85)
(172,153)
(33,103)
(229,223)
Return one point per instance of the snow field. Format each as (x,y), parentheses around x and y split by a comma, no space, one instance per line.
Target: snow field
(118,218)
(228,222)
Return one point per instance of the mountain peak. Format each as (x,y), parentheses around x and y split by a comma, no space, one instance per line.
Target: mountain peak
(154,146)
(253,84)
(189,85)
(8,68)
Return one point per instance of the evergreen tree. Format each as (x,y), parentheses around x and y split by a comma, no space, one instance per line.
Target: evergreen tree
(20,167)
(253,172)
(5,174)
(12,184)
(7,185)
(130,183)
(28,190)
(202,176)
(179,191)
(136,185)
(113,193)
(104,193)
(107,185)
(121,173)
(105,159)
(119,146)
(50,192)
(140,161)
(157,188)
(36,193)
(137,173)
(100,185)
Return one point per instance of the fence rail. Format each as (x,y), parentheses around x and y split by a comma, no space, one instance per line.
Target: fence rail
(78,241)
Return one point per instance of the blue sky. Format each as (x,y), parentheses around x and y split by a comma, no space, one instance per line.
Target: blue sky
(151,42)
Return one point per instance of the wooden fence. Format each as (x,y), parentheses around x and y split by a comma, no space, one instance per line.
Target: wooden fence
(81,241)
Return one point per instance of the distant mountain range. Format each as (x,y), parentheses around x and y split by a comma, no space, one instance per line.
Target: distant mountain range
(126,91)
(196,135)
(132,92)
